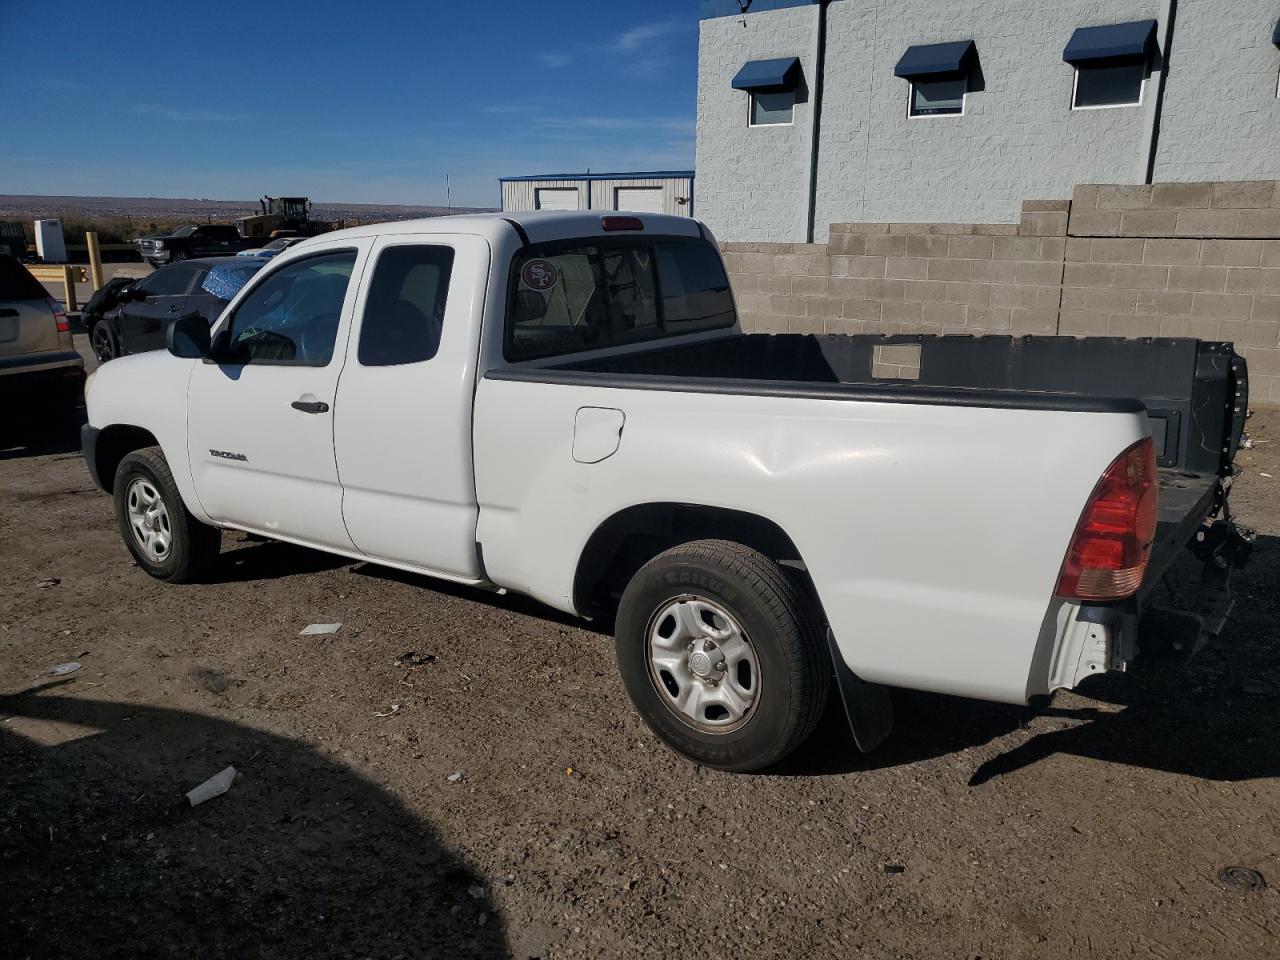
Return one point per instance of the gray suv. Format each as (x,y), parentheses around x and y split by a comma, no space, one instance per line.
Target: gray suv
(41,375)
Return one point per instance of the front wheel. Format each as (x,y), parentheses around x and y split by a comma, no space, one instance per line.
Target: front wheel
(104,343)
(721,653)
(164,538)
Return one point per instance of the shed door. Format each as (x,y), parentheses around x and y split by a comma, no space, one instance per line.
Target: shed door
(639,199)
(556,198)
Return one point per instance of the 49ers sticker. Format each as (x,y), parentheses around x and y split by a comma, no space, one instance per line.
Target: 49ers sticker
(538,274)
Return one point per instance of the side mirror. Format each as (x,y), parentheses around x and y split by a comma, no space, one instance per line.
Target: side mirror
(188,337)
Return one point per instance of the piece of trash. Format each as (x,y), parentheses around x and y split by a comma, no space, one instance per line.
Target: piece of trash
(317,629)
(415,659)
(458,777)
(894,868)
(482,919)
(1246,443)
(48,582)
(1267,475)
(568,771)
(215,786)
(475,891)
(1243,878)
(62,669)
(395,708)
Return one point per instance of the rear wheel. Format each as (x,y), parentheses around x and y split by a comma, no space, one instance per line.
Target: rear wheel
(720,651)
(164,538)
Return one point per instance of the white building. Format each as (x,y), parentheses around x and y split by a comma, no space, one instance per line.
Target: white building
(659,191)
(813,112)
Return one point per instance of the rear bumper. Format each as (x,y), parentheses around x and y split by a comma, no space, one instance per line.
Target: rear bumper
(41,373)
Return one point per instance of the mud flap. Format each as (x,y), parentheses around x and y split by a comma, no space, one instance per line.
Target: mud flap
(867,705)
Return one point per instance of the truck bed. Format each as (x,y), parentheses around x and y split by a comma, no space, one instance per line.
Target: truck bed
(1194,392)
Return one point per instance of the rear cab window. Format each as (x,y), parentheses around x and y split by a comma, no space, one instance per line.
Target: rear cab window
(569,296)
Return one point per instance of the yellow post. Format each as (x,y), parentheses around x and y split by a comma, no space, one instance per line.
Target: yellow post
(69,281)
(95,259)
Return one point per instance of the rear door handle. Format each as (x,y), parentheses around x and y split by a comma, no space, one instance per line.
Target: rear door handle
(313,406)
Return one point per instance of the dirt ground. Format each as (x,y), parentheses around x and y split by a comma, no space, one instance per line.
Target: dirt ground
(514,805)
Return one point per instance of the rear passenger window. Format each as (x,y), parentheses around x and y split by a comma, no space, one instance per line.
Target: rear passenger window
(171,281)
(404,311)
(588,294)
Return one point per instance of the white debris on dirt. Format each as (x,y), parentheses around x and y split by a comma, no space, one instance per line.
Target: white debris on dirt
(395,708)
(458,777)
(48,582)
(319,629)
(62,669)
(215,786)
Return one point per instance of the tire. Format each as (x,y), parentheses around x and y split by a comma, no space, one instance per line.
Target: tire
(191,547)
(719,587)
(103,341)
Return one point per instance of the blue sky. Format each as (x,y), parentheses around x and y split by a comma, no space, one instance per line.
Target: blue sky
(371,102)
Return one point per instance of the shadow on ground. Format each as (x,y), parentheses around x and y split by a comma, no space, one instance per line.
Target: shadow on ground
(101,855)
(1212,716)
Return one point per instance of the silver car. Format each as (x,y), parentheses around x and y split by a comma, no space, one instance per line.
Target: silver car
(41,374)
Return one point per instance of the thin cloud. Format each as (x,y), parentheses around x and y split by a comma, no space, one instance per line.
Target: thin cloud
(553,61)
(644,34)
(177,115)
(683,125)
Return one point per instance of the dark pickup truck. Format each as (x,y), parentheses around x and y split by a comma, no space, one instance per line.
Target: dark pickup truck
(193,240)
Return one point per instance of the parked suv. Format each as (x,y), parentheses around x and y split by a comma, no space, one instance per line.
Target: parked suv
(40,372)
(193,240)
(132,318)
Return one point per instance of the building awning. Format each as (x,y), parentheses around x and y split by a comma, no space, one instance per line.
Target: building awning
(781,74)
(936,59)
(1135,40)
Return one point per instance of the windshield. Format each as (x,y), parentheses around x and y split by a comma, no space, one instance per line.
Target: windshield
(185,231)
(225,280)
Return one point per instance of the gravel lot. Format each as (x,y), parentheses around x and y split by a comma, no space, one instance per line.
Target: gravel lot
(514,805)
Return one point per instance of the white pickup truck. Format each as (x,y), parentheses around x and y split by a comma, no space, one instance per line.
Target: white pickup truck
(564,405)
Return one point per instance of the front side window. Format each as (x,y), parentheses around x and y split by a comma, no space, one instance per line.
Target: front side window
(572,296)
(769,108)
(292,315)
(1103,84)
(937,98)
(404,311)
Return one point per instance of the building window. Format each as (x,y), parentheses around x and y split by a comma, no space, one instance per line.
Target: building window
(937,98)
(1114,85)
(772,107)
(771,87)
(1111,63)
(938,74)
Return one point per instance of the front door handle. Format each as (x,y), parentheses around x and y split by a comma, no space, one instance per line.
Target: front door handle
(310,406)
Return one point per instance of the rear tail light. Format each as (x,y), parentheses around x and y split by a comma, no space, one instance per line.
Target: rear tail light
(59,316)
(1112,544)
(621,223)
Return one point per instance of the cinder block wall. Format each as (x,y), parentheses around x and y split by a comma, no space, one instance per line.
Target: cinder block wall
(1173,259)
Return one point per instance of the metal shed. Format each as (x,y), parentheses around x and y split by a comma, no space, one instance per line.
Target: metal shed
(655,191)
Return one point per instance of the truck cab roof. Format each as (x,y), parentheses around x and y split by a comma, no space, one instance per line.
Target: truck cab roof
(539,225)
